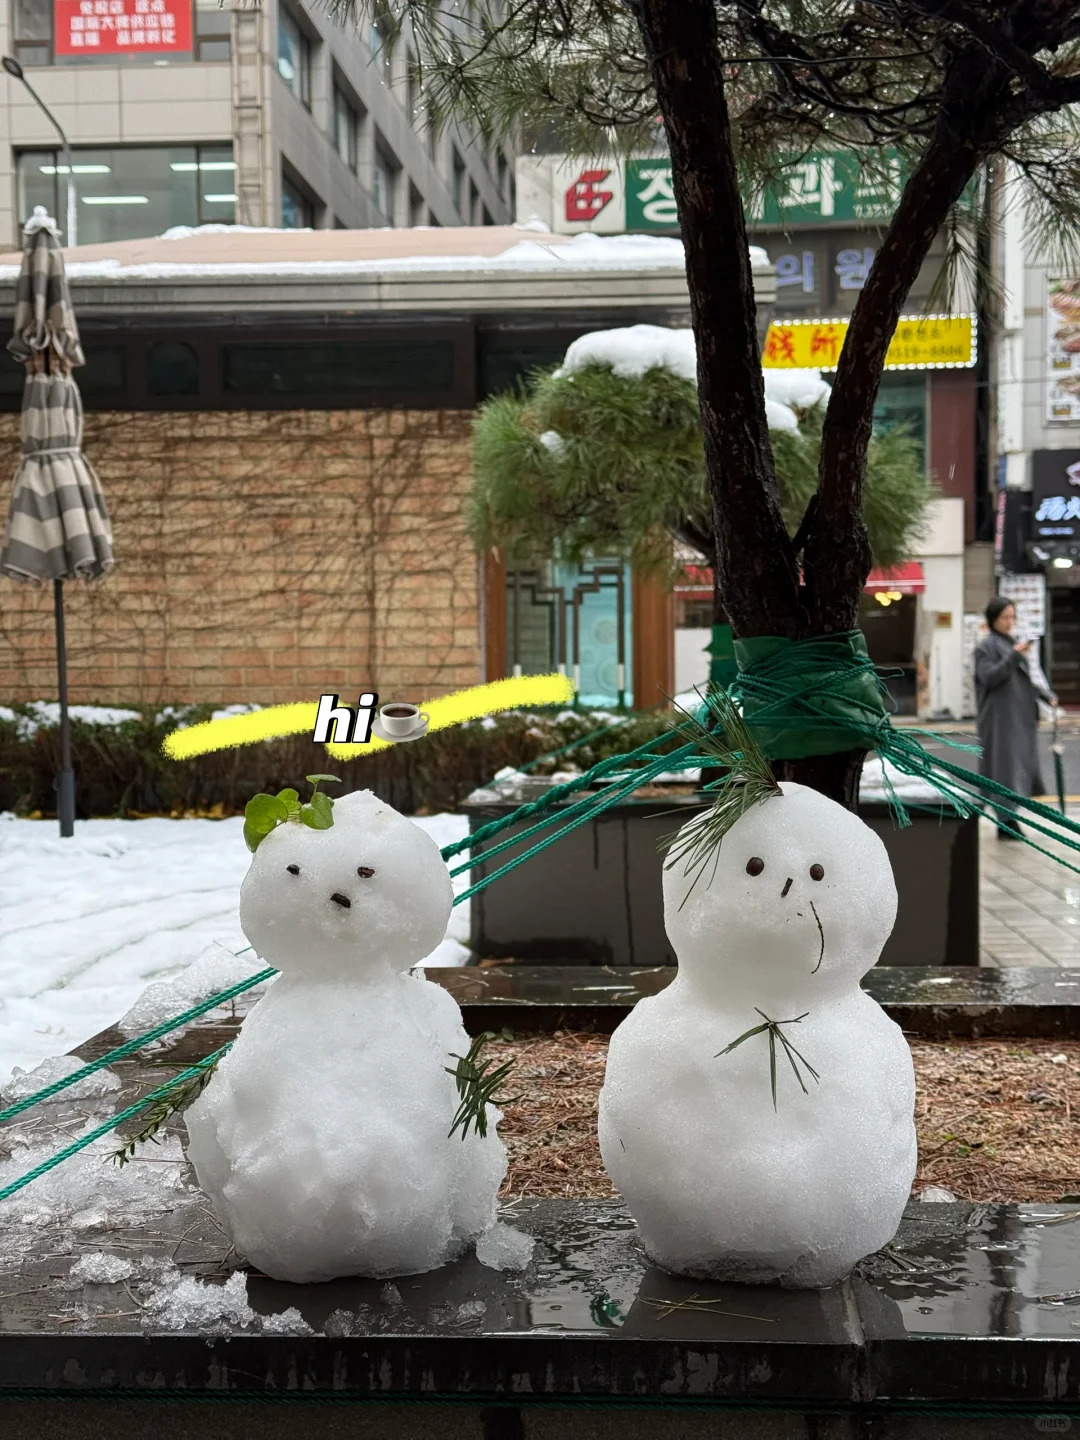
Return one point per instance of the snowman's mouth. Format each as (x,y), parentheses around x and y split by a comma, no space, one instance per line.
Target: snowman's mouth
(821,932)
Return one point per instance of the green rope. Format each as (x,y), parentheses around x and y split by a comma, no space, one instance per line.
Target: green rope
(122,1051)
(109,1125)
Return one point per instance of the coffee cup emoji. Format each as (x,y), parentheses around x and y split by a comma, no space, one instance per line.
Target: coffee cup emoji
(401,719)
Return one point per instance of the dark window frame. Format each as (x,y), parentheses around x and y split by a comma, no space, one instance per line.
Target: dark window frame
(209,343)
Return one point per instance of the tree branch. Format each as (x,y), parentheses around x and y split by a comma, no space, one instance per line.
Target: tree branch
(754,558)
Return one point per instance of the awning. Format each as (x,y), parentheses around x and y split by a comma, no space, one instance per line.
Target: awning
(908,579)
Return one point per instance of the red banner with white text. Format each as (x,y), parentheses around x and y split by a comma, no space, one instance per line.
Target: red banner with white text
(123,27)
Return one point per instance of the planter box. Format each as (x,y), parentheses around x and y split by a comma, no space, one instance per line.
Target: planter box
(595,896)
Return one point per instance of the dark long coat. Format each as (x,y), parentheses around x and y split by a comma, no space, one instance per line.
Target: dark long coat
(1008,716)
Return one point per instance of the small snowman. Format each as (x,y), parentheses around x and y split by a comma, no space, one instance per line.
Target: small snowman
(323,1139)
(757,1115)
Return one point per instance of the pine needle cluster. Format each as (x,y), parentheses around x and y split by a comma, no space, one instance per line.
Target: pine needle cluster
(748,781)
(477,1084)
(776,1036)
(172,1101)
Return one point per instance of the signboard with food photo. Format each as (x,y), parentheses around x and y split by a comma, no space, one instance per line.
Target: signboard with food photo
(1063,337)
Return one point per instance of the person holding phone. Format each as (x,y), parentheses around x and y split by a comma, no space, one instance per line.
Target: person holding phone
(1007,700)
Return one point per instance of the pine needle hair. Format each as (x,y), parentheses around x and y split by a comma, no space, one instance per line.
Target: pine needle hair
(749,781)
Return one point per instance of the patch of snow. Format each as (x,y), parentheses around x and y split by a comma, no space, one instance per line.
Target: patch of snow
(181,1302)
(58,1067)
(937,1195)
(553,442)
(88,923)
(46,715)
(798,389)
(287,1322)
(185,232)
(906,787)
(633,350)
(503,1248)
(101,1268)
(534,223)
(217,968)
(230,710)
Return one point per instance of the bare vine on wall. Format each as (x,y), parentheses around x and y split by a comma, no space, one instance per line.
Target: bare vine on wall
(261,555)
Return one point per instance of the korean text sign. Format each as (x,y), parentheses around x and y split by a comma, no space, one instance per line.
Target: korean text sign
(935,342)
(123,27)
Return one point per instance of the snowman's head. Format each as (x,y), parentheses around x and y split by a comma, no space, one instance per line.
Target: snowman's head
(371,888)
(800,888)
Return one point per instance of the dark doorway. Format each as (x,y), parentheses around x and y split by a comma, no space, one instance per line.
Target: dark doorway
(1065,643)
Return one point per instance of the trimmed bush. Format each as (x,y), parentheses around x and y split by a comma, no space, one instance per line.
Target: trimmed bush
(120,770)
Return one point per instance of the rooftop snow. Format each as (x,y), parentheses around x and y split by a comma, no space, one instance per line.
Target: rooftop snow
(225,250)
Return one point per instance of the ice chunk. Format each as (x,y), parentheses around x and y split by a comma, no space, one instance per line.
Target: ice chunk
(217,968)
(24,1083)
(937,1195)
(101,1268)
(779,925)
(182,1302)
(323,1138)
(288,1322)
(504,1248)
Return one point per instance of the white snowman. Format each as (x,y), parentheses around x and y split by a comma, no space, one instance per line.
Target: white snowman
(323,1138)
(780,925)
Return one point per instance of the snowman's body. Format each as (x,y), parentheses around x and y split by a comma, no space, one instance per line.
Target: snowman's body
(720,1183)
(323,1139)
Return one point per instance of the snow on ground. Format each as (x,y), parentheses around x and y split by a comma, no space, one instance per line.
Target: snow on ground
(87,924)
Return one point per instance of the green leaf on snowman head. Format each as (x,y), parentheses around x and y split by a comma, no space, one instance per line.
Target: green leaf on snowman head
(291,801)
(318,813)
(726,742)
(262,814)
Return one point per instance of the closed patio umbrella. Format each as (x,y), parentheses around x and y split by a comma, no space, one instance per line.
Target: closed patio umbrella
(58,526)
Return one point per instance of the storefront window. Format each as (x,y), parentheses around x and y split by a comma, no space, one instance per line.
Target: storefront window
(902,402)
(576,619)
(129,192)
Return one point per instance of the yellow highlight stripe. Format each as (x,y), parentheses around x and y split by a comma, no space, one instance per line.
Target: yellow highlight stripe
(280,720)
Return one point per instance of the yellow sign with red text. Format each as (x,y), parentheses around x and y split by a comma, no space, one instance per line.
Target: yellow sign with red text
(921,342)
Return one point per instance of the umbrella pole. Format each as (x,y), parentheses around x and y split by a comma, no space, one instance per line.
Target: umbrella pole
(65,781)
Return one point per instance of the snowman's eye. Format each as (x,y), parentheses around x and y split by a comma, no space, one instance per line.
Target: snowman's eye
(365,872)
(755,865)
(817,872)
(293,869)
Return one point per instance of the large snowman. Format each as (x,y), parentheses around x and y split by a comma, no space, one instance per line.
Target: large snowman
(323,1138)
(780,925)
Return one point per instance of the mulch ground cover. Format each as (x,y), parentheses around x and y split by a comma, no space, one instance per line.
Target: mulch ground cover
(997,1120)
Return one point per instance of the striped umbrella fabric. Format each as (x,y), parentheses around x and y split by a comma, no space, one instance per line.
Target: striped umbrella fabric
(58,526)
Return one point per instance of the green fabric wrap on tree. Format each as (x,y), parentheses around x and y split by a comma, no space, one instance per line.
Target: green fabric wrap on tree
(817,696)
(723,666)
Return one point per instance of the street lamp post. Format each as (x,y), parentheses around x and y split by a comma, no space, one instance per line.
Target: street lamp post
(15,70)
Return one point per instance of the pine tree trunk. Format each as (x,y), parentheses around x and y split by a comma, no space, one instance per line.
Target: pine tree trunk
(757,571)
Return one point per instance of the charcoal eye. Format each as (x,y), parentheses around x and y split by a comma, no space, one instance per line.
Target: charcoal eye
(293,869)
(365,872)
(817,872)
(755,865)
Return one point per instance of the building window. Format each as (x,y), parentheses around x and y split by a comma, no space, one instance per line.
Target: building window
(32,32)
(459,186)
(383,177)
(346,123)
(172,368)
(382,46)
(297,210)
(294,57)
(339,367)
(412,89)
(901,402)
(128,192)
(213,28)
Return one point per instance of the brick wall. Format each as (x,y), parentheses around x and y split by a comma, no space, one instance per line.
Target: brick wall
(263,557)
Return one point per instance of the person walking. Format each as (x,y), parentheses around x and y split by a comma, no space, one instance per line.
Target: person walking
(1007,700)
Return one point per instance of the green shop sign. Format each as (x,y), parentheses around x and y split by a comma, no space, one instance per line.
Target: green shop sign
(818,189)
